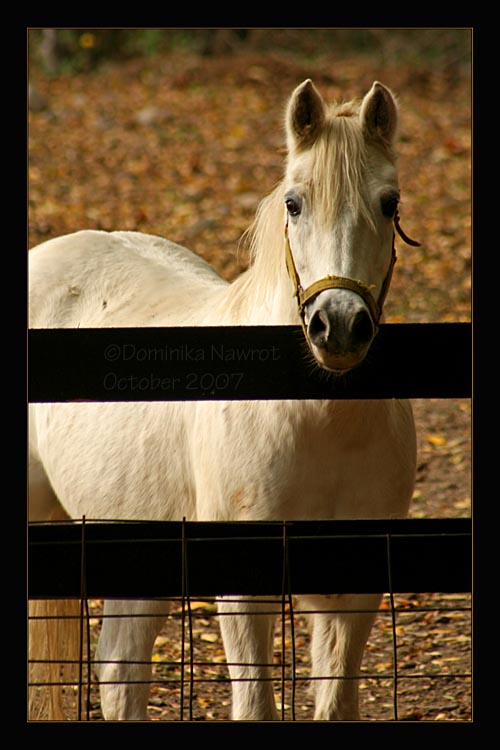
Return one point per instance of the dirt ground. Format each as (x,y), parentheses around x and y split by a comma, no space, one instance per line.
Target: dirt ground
(185,147)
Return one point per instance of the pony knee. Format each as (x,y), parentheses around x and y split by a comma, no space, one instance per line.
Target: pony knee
(123,687)
(121,701)
(123,656)
(337,702)
(247,631)
(337,646)
(253,702)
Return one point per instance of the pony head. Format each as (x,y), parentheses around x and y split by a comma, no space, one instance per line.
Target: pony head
(341,196)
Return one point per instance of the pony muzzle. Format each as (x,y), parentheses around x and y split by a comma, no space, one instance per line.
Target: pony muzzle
(340,328)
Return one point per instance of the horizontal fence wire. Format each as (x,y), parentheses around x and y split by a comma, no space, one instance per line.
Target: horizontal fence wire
(183,673)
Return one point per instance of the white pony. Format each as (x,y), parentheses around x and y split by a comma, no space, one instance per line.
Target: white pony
(322,254)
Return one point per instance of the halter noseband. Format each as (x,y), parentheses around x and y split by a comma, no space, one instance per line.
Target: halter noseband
(342,282)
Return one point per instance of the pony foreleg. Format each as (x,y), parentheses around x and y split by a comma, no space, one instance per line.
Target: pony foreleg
(123,656)
(248,632)
(337,645)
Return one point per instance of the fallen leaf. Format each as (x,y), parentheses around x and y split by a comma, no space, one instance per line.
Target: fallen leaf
(209,637)
(159,658)
(385,666)
(436,440)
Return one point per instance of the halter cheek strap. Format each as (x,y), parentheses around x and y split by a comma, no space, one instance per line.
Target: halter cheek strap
(375,306)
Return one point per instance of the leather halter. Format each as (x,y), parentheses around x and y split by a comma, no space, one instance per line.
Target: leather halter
(375,306)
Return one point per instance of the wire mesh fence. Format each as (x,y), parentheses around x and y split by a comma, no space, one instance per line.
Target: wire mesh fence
(417,663)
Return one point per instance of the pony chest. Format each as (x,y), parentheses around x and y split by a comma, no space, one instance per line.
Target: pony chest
(346,449)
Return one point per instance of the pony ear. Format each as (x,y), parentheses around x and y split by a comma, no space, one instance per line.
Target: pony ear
(379,114)
(305,116)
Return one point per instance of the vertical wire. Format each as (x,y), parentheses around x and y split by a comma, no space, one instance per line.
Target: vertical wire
(191,643)
(89,660)
(294,662)
(82,608)
(186,599)
(393,622)
(183,621)
(283,623)
(290,609)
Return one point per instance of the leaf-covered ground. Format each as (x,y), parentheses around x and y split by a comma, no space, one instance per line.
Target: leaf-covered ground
(185,147)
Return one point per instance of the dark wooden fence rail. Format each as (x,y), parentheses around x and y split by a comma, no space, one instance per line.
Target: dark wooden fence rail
(266,362)
(148,560)
(203,559)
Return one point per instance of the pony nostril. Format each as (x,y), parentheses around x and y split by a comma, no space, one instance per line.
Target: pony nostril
(318,328)
(362,327)
(340,331)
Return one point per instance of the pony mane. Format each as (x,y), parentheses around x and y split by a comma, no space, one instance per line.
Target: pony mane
(264,240)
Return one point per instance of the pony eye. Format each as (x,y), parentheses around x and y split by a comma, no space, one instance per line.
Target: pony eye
(293,206)
(389,205)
